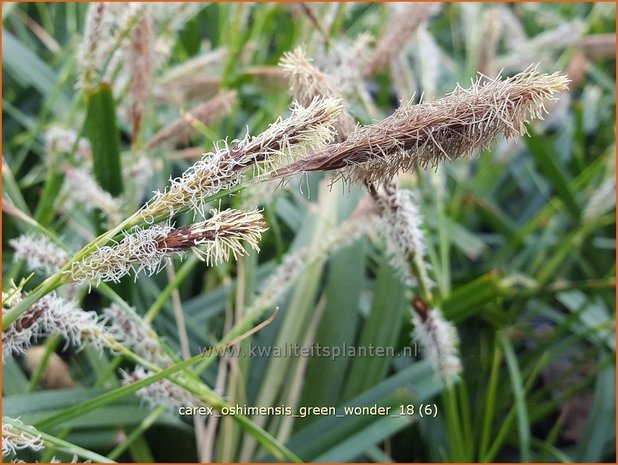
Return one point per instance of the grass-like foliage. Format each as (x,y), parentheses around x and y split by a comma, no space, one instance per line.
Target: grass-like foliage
(308,232)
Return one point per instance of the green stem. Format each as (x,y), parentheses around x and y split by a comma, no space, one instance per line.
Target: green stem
(201,391)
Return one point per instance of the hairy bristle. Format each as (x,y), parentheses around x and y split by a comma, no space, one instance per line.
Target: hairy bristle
(401,224)
(16,439)
(306,129)
(162,392)
(214,241)
(307,83)
(39,252)
(438,340)
(135,333)
(52,315)
(83,188)
(460,124)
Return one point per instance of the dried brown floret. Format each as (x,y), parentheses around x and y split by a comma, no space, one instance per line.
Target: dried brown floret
(460,124)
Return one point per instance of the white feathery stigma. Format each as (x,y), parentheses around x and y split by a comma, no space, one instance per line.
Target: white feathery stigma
(402,224)
(136,334)
(16,439)
(162,392)
(306,129)
(83,188)
(214,241)
(52,315)
(438,340)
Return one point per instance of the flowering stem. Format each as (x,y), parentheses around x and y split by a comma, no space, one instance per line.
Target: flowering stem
(60,277)
(55,442)
(192,385)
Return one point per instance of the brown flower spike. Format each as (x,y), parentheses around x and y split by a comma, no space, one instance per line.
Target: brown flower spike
(460,124)
(213,241)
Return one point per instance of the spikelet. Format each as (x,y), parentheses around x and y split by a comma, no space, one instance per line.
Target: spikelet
(162,392)
(402,79)
(345,70)
(309,128)
(61,140)
(107,27)
(515,36)
(279,281)
(488,46)
(174,15)
(214,241)
(52,315)
(90,58)
(39,253)
(200,64)
(16,438)
(599,46)
(458,125)
(182,129)
(347,76)
(401,225)
(535,49)
(179,92)
(135,334)
(438,340)
(195,78)
(293,264)
(83,188)
(307,83)
(430,62)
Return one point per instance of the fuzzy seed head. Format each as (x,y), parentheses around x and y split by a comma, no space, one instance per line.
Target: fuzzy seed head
(215,240)
(142,62)
(97,28)
(62,140)
(406,18)
(438,339)
(181,130)
(295,262)
(136,252)
(107,29)
(279,281)
(458,125)
(39,252)
(15,439)
(52,315)
(83,188)
(306,129)
(136,334)
(308,83)
(162,392)
(401,223)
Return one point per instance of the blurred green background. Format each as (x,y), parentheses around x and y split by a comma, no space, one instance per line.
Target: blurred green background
(522,256)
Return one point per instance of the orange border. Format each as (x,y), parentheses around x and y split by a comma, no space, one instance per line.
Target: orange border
(316,1)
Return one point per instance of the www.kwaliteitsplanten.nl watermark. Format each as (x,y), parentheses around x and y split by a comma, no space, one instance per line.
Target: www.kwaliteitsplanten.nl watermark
(313,350)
